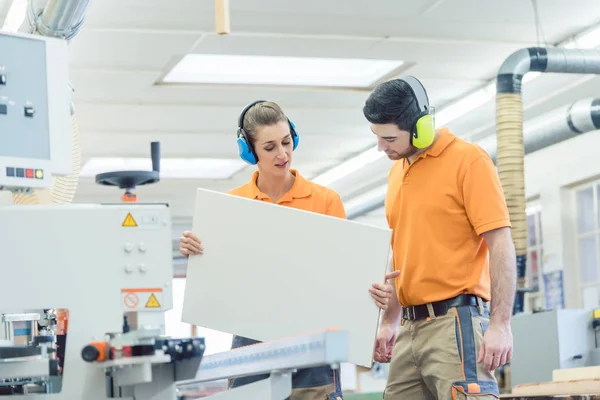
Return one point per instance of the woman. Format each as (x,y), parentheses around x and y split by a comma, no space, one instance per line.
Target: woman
(267,139)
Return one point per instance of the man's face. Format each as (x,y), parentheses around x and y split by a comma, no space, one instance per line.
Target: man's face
(393,141)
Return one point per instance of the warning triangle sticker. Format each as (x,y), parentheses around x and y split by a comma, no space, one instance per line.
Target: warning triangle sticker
(129,221)
(152,302)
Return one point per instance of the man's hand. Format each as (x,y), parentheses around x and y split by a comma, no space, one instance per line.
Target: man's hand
(496,347)
(386,337)
(382,292)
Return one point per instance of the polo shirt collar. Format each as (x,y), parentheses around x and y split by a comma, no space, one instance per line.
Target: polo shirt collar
(300,189)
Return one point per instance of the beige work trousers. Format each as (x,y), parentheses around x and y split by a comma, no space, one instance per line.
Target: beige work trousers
(437,358)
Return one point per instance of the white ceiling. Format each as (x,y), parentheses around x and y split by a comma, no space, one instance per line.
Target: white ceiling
(453,46)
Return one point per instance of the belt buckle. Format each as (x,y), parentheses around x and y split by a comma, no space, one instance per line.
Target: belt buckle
(411,313)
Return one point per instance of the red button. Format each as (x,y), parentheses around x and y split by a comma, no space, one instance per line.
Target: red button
(29,173)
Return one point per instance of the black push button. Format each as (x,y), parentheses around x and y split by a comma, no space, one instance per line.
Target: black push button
(3,109)
(2,79)
(21,172)
(29,111)
(10,171)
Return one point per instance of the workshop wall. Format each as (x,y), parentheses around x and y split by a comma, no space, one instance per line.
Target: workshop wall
(552,176)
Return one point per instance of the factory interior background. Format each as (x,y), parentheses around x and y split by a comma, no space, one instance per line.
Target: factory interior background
(157,70)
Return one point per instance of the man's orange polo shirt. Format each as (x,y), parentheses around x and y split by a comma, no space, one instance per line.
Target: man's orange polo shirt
(304,195)
(438,207)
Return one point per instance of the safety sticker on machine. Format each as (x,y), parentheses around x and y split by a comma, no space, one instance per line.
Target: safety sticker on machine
(141,299)
(152,302)
(129,221)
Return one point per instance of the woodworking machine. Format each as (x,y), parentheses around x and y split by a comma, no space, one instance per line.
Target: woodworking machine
(86,286)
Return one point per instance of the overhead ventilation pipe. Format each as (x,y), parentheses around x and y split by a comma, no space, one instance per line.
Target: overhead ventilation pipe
(509,131)
(60,19)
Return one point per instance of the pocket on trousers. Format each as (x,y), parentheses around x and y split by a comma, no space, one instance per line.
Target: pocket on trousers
(475,390)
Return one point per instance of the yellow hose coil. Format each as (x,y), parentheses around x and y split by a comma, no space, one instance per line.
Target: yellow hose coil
(510,161)
(63,188)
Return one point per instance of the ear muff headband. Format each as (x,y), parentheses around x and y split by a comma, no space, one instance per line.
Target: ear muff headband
(246,151)
(423,129)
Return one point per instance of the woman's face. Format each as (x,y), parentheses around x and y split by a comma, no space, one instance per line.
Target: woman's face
(274,145)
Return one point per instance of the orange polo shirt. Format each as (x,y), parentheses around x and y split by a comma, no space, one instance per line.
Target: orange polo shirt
(304,195)
(438,207)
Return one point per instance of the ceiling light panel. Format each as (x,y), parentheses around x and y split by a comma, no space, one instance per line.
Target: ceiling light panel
(282,71)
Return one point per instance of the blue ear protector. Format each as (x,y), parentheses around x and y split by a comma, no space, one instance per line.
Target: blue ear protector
(423,130)
(246,150)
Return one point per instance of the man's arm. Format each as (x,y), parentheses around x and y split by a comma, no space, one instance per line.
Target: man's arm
(503,274)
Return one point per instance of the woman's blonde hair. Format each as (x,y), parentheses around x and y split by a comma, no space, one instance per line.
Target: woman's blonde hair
(261,114)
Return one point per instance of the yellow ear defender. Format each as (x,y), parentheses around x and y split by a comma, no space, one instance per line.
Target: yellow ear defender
(423,129)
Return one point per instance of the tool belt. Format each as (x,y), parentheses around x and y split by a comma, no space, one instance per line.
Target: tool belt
(413,313)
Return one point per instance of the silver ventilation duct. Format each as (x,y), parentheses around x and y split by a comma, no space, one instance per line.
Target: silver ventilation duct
(555,126)
(58,18)
(550,128)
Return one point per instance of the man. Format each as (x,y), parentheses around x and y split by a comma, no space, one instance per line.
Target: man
(447,210)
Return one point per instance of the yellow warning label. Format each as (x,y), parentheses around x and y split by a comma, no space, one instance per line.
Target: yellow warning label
(152,302)
(129,221)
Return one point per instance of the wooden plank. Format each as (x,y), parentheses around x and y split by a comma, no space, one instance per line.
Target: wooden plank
(568,388)
(570,374)
(270,271)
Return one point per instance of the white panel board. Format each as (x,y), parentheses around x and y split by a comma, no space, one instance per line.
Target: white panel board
(271,271)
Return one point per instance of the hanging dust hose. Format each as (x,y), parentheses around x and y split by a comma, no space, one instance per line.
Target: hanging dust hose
(509,131)
(510,161)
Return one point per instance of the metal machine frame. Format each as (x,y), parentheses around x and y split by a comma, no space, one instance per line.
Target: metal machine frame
(278,358)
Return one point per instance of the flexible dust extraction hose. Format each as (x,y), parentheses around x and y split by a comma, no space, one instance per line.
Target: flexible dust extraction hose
(509,120)
(510,161)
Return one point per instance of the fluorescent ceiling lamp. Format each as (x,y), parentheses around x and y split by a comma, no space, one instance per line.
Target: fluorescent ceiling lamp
(15,16)
(269,70)
(174,168)
(349,166)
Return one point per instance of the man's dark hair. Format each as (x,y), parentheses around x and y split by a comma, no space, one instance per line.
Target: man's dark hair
(392,102)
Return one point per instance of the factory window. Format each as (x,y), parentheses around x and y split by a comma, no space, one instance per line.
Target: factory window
(535,299)
(588,242)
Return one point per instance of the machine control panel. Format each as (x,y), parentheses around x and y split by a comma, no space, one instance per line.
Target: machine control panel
(35,126)
(24,75)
